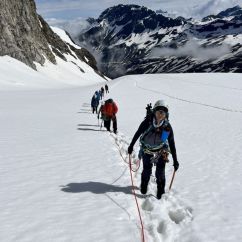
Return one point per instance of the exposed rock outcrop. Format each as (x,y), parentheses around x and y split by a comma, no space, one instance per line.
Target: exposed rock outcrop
(24,35)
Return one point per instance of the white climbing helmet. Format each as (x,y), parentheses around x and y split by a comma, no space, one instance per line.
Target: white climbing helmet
(161,104)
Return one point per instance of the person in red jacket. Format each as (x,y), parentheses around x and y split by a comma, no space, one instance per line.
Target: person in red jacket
(108,112)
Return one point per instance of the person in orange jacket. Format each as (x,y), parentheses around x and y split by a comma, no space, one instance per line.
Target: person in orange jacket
(108,112)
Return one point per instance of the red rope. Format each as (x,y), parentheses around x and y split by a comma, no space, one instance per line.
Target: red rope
(133,191)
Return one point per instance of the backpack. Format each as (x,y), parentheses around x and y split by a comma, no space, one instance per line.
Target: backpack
(155,139)
(109,109)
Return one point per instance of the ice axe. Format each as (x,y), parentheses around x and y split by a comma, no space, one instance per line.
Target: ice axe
(173,176)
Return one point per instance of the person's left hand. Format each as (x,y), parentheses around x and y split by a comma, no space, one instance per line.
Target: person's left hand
(130,150)
(176,165)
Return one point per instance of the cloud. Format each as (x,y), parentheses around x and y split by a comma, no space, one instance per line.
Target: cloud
(214,7)
(74,27)
(68,9)
(193,49)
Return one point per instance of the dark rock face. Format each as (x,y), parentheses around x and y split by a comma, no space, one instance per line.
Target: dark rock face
(125,38)
(235,11)
(138,18)
(123,20)
(21,35)
(25,35)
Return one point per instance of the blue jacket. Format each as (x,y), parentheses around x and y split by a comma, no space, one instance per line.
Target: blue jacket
(97,95)
(95,101)
(145,125)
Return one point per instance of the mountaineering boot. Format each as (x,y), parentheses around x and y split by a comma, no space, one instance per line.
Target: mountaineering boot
(160,191)
(144,186)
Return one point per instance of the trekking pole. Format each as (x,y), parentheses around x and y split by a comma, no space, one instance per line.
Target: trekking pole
(173,176)
(101,124)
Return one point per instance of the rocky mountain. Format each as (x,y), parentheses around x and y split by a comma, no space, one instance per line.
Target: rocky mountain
(25,36)
(130,39)
(231,12)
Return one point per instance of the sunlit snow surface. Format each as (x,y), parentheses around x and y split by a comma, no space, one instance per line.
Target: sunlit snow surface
(63,179)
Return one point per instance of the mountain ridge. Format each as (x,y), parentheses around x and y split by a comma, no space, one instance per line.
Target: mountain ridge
(127,35)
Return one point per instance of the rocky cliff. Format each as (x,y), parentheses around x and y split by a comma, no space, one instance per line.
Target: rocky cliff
(26,36)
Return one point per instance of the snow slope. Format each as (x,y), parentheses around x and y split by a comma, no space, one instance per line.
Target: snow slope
(15,75)
(63,179)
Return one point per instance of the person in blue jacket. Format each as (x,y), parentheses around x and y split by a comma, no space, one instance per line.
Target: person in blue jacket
(95,102)
(156,139)
(100,94)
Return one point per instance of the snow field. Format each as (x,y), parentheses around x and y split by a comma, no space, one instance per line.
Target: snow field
(163,220)
(63,179)
(205,112)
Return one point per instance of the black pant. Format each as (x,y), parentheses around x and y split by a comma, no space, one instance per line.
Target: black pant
(159,173)
(94,109)
(107,124)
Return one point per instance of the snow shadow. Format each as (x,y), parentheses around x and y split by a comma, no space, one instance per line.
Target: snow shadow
(85,112)
(86,105)
(92,125)
(89,129)
(96,187)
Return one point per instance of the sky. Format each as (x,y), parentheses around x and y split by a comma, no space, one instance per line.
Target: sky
(72,9)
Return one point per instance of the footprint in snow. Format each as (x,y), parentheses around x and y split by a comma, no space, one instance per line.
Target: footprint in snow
(148,205)
(162,228)
(177,215)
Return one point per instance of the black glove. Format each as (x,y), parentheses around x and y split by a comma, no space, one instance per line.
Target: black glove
(130,149)
(176,165)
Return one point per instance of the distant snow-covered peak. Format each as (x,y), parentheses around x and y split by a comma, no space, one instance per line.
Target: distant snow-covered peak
(64,36)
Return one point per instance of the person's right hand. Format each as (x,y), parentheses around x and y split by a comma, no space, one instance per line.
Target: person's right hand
(130,149)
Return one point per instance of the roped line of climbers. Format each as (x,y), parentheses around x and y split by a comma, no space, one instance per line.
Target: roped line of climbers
(107,110)
(107,113)
(156,141)
(156,138)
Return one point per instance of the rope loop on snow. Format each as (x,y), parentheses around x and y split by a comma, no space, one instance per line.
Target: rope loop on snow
(137,204)
(125,159)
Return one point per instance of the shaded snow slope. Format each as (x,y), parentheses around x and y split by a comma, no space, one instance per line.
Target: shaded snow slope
(75,67)
(63,179)
(15,75)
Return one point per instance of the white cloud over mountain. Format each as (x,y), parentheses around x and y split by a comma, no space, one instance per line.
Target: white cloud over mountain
(73,27)
(70,9)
